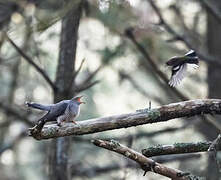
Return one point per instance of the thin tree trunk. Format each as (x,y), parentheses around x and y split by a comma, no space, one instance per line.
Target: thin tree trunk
(214,85)
(59,167)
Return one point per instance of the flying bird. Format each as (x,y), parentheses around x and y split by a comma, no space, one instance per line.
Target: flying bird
(179,66)
(63,111)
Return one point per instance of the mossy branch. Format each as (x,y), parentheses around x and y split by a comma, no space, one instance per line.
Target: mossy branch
(177,148)
(145,163)
(144,116)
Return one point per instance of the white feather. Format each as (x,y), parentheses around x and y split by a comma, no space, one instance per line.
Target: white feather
(178,76)
(189,52)
(194,66)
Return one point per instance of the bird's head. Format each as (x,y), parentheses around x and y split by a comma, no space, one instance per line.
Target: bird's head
(78,100)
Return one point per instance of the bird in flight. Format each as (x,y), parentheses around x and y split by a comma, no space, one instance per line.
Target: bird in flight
(179,66)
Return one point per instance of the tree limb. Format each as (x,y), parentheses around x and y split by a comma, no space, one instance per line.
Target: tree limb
(177,148)
(129,34)
(145,163)
(143,116)
(95,171)
(13,112)
(30,61)
(86,86)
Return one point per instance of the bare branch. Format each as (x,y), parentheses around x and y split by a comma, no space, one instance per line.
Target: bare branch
(145,163)
(30,61)
(91,75)
(78,70)
(76,73)
(85,86)
(143,116)
(12,112)
(216,144)
(177,148)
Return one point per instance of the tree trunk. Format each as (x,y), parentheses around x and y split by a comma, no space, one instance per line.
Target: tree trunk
(214,85)
(59,168)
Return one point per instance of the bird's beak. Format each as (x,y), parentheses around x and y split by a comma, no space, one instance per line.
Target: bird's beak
(79,100)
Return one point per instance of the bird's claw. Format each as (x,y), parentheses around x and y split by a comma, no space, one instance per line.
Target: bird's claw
(74,122)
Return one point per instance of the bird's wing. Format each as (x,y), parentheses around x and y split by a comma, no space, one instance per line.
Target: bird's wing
(191,53)
(194,66)
(178,73)
(57,110)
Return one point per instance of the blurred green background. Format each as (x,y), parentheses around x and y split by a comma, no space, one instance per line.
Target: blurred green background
(127,81)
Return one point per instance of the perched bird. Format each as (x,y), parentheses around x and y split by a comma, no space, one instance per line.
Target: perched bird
(63,111)
(179,66)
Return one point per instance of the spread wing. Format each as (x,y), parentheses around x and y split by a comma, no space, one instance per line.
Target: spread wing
(178,73)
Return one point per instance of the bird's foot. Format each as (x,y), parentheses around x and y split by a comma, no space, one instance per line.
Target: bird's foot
(34,131)
(74,122)
(59,124)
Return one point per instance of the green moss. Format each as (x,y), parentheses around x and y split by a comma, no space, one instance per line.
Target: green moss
(155,149)
(153,114)
(115,143)
(52,131)
(192,177)
(181,144)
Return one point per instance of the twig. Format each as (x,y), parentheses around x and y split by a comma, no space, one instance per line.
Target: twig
(91,75)
(86,83)
(216,146)
(85,86)
(145,163)
(30,61)
(79,69)
(163,113)
(76,73)
(177,148)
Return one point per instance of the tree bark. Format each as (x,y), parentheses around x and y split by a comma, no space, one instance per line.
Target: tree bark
(214,87)
(59,167)
(140,117)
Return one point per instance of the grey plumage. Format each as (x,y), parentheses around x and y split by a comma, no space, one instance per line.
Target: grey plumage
(63,111)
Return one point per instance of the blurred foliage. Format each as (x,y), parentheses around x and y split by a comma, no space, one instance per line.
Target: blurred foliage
(35,27)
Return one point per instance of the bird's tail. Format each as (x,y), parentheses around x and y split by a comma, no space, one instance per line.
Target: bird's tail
(192,57)
(38,106)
